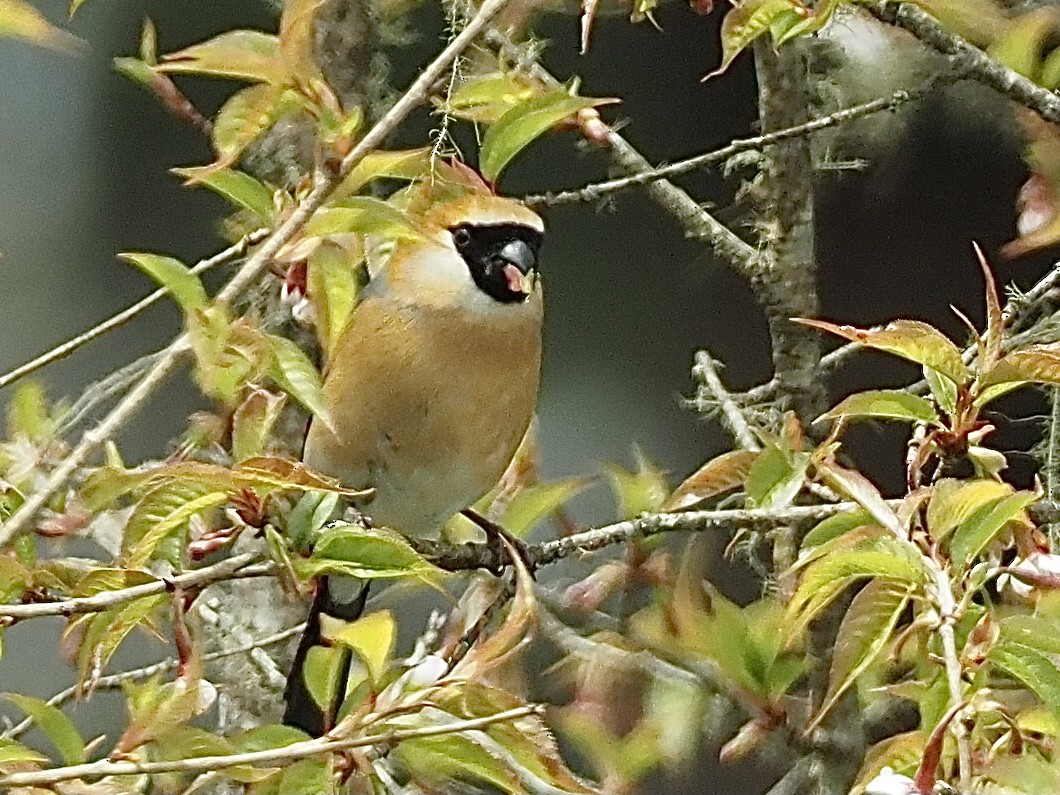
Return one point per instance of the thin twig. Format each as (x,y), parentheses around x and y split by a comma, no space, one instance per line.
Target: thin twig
(268,757)
(326,182)
(234,568)
(705,372)
(124,316)
(147,671)
(599,190)
(954,674)
(968,58)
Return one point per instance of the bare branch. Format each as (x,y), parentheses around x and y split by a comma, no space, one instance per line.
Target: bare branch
(268,757)
(114,321)
(968,58)
(326,182)
(599,190)
(705,372)
(235,568)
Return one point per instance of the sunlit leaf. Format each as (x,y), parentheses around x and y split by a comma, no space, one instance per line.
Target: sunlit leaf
(401,164)
(885,404)
(332,286)
(364,215)
(297,40)
(239,54)
(525,123)
(1038,364)
(297,376)
(835,526)
(239,188)
(954,501)
(863,634)
(14,754)
(721,474)
(910,339)
(367,553)
(20,20)
(485,98)
(56,726)
(801,25)
(776,476)
(372,637)
(1019,47)
(533,503)
(323,671)
(747,21)
(972,536)
(173,275)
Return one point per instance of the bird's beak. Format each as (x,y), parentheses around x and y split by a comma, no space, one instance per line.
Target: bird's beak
(518,269)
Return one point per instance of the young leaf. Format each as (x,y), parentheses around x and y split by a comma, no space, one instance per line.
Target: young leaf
(860,489)
(20,20)
(747,21)
(297,376)
(910,339)
(954,501)
(246,115)
(366,553)
(27,413)
(371,636)
(323,672)
(173,275)
(253,421)
(884,404)
(363,215)
(442,760)
(141,552)
(13,753)
(835,526)
(942,389)
(982,526)
(332,286)
(776,476)
(1038,364)
(485,98)
(238,54)
(866,627)
(721,474)
(401,164)
(239,188)
(638,492)
(53,722)
(525,123)
(314,776)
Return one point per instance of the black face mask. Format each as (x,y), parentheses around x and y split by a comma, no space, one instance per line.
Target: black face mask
(499,256)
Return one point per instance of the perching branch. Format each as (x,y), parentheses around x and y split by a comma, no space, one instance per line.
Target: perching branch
(967,58)
(326,182)
(266,758)
(124,316)
(757,143)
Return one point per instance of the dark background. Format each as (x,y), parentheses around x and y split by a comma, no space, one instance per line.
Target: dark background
(83,175)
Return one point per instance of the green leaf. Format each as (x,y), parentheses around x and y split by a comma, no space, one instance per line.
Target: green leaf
(401,164)
(533,503)
(238,54)
(885,404)
(902,753)
(27,413)
(371,637)
(776,476)
(803,26)
(1038,364)
(173,275)
(310,777)
(332,287)
(107,630)
(253,422)
(942,389)
(12,753)
(953,502)
(143,550)
(523,124)
(20,20)
(263,738)
(239,188)
(363,215)
(910,339)
(372,553)
(1038,671)
(835,526)
(982,526)
(485,98)
(246,115)
(56,726)
(1019,47)
(723,473)
(859,488)
(297,376)
(638,492)
(442,759)
(746,22)
(162,511)
(866,627)
(1050,76)
(323,673)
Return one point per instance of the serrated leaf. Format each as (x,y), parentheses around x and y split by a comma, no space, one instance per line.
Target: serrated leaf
(373,553)
(1036,364)
(954,501)
(371,637)
(721,474)
(332,287)
(776,476)
(1038,671)
(863,633)
(239,188)
(523,124)
(238,54)
(246,115)
(20,20)
(910,339)
(253,422)
(983,526)
(173,275)
(297,376)
(890,404)
(746,22)
(533,503)
(162,507)
(442,759)
(56,726)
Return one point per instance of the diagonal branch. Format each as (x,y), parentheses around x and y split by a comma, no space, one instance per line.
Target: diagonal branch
(326,182)
(966,57)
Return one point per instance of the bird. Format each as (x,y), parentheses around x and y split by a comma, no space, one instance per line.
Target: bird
(430,388)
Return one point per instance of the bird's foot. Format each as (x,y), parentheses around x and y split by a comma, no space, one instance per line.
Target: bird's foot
(494,535)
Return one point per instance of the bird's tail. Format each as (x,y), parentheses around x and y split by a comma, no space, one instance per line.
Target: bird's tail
(335,598)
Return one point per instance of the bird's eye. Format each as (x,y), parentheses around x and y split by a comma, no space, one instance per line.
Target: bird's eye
(461,237)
